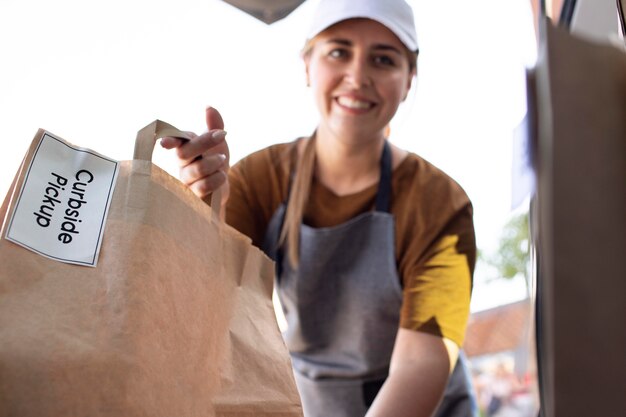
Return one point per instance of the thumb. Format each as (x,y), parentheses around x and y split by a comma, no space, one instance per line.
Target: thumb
(214,119)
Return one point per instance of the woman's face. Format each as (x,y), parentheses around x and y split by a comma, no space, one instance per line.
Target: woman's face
(359,73)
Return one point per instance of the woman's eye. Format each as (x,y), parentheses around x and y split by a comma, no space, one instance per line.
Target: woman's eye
(384,60)
(337,53)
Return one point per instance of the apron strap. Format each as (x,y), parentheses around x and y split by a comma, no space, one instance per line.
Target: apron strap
(383,195)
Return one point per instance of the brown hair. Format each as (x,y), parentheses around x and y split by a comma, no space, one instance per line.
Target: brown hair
(298,198)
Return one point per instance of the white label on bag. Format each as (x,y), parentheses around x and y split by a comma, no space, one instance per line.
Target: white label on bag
(62,207)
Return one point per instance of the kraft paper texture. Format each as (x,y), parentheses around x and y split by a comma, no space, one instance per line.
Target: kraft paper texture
(175,320)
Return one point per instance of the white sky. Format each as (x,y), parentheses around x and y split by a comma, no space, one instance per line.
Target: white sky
(95,73)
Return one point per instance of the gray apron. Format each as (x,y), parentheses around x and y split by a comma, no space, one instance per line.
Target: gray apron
(342,307)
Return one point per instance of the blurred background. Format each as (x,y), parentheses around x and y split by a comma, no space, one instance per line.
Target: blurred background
(94,73)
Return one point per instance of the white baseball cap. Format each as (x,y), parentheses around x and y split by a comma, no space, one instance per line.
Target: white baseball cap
(396,15)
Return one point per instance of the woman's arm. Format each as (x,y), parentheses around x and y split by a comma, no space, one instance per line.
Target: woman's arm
(419,370)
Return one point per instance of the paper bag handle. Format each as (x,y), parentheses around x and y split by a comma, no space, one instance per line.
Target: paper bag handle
(144,146)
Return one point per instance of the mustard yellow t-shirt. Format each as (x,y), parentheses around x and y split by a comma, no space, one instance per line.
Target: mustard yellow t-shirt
(435,242)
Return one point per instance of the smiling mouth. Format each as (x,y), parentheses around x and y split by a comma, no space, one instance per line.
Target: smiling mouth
(354,104)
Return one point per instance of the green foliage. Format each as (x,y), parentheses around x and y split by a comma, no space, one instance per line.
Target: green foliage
(513,256)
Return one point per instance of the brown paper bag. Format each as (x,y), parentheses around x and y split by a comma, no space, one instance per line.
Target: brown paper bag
(175,320)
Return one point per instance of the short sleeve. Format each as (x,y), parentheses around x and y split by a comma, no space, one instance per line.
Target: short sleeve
(258,184)
(240,208)
(438,288)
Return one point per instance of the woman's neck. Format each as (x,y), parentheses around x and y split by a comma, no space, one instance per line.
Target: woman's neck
(347,166)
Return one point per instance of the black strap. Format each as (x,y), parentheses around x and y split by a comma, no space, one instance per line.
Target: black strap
(383,195)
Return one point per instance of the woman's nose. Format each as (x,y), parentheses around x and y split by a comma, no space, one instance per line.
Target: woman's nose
(357,74)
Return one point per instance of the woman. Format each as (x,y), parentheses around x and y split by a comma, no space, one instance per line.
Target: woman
(374,246)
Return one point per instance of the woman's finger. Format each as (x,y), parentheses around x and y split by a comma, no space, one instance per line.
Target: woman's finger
(202,168)
(207,185)
(190,151)
(170,142)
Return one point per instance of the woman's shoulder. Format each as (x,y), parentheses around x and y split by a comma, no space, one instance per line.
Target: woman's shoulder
(272,153)
(277,158)
(420,177)
(258,185)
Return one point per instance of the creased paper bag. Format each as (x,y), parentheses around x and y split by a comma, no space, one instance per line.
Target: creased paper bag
(175,320)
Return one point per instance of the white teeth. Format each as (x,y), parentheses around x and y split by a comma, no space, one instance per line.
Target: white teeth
(354,103)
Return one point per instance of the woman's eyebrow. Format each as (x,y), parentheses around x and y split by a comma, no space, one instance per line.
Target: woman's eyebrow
(387,48)
(377,47)
(341,41)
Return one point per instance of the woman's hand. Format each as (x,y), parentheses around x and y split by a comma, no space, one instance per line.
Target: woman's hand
(203,160)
